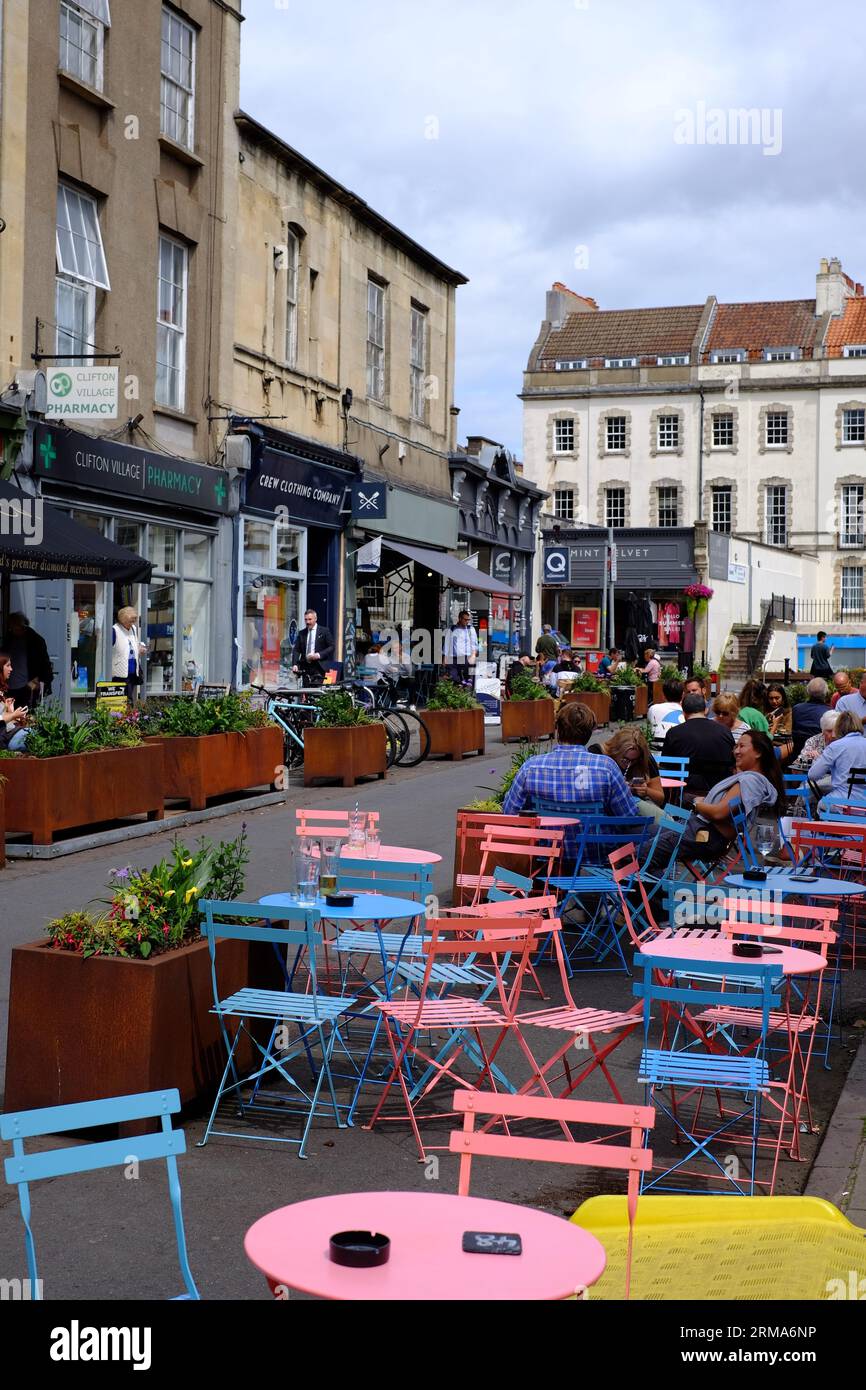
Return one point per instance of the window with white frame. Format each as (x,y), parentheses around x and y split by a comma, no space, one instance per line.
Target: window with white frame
(417,361)
(674,359)
(171,324)
(782,354)
(82,40)
(723,430)
(726,356)
(615,430)
(293,248)
(577,364)
(563,436)
(177,70)
(777,514)
(777,429)
(620,361)
(854,350)
(614,506)
(563,503)
(669,507)
(375,340)
(274,592)
(852,589)
(851,532)
(722,507)
(854,426)
(668,432)
(81,271)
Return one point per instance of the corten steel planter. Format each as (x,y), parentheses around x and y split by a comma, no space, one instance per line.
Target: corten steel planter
(641,699)
(467,853)
(596,700)
(658,694)
(214,764)
(455,732)
(44,795)
(84,1028)
(344,755)
(2,823)
(527,719)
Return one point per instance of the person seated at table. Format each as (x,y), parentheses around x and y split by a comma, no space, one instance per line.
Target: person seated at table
(695,686)
(845,753)
(779,716)
(855,701)
(806,717)
(814,746)
(13,718)
(707,744)
(753,706)
(630,751)
(524,662)
(757,781)
(570,774)
(726,711)
(842,685)
(608,664)
(667,712)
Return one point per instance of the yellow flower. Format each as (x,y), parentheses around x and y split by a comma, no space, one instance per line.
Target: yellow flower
(186,863)
(191,893)
(170,893)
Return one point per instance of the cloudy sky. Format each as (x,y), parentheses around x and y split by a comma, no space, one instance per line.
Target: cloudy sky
(561,150)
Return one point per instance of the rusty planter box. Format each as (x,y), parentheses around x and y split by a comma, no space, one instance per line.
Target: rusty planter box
(84,1028)
(641,700)
(596,700)
(344,755)
(527,719)
(44,795)
(215,764)
(2,823)
(455,732)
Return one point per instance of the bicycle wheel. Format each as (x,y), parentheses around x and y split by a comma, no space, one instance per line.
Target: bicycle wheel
(417,744)
(396,735)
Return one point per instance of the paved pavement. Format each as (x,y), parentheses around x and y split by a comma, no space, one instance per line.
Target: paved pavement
(107,1235)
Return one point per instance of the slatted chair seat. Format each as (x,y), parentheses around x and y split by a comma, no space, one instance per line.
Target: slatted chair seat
(445,973)
(442,1013)
(780,1022)
(689,1069)
(275,1003)
(575,1020)
(392,943)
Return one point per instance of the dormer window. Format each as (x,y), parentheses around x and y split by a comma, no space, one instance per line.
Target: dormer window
(782,354)
(577,364)
(676,359)
(620,361)
(854,350)
(723,357)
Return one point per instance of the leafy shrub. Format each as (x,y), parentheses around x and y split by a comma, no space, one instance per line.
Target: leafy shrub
(448,695)
(671,672)
(626,675)
(151,911)
(50,736)
(337,711)
(185,718)
(797,693)
(524,686)
(590,683)
(700,672)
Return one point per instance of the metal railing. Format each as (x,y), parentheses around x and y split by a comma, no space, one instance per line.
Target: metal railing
(817,612)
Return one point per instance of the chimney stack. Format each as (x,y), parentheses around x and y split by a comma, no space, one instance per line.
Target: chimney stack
(832,287)
(561,301)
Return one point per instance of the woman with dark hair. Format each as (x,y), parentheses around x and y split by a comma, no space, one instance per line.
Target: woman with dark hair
(753,706)
(778,709)
(630,751)
(13,734)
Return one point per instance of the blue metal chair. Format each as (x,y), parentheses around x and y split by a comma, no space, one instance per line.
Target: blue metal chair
(316,1018)
(685,1069)
(24,1168)
(592,886)
(671,766)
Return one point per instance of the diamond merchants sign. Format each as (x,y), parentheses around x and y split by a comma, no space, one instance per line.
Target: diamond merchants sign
(85,393)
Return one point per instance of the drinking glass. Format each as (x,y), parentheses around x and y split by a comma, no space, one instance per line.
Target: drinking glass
(765,839)
(308,878)
(374,844)
(330,856)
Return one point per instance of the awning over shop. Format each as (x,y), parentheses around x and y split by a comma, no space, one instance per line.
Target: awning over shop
(456,571)
(39,541)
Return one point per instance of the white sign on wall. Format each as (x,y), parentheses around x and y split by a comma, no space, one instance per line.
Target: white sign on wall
(737,574)
(84,393)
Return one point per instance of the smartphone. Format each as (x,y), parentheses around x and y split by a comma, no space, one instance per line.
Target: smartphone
(491,1243)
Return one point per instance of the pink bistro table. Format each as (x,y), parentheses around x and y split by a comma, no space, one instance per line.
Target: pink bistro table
(397,854)
(290,1246)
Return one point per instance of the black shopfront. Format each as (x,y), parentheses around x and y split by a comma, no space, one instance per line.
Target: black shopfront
(652,568)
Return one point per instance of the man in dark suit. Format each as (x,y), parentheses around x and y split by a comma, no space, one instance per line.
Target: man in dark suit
(313,651)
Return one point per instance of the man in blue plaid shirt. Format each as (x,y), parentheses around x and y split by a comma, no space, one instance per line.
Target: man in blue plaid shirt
(569,773)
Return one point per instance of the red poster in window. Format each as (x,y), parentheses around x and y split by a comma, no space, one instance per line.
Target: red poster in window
(585,625)
(271,637)
(670,625)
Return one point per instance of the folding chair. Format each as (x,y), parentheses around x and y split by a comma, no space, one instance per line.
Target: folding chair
(315,1017)
(592,879)
(687,1071)
(635,1157)
(539,849)
(24,1168)
(836,849)
(472,828)
(674,773)
(856,780)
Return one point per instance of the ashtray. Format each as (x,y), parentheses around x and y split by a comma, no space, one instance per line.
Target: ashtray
(755,875)
(747,948)
(360,1249)
(339,899)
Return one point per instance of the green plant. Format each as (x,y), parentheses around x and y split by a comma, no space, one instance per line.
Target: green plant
(338,712)
(627,675)
(671,672)
(797,693)
(154,910)
(589,683)
(519,757)
(448,695)
(185,718)
(524,686)
(700,673)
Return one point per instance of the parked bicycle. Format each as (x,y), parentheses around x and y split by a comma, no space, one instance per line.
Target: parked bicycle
(295,711)
(404,722)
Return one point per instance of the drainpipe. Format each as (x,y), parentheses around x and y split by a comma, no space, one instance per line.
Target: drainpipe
(701,455)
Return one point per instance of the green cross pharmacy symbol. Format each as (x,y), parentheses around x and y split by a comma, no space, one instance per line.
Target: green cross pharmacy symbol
(220,490)
(48,452)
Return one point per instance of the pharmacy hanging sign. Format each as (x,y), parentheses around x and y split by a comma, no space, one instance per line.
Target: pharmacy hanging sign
(82,393)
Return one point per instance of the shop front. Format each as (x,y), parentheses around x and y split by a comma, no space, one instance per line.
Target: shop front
(297,503)
(172,512)
(649,572)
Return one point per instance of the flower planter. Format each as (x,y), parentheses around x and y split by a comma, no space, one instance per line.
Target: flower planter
(2,824)
(527,719)
(214,764)
(455,732)
(658,694)
(44,795)
(344,755)
(467,848)
(596,700)
(641,700)
(81,1028)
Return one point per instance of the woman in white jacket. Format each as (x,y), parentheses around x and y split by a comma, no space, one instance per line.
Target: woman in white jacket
(127,649)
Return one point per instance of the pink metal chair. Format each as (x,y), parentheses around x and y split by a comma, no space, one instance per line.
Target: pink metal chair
(334,824)
(635,1157)
(535,849)
(472,828)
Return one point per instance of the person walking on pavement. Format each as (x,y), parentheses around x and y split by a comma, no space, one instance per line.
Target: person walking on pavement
(461,648)
(313,650)
(32,672)
(127,649)
(547,645)
(820,655)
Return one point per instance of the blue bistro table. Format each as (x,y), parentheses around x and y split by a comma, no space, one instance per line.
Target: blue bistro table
(829,804)
(375,908)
